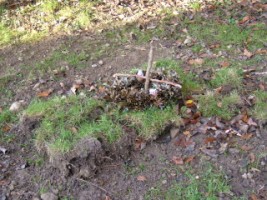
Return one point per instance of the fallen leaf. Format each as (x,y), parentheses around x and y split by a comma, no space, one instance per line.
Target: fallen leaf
(197,61)
(140,144)
(214,46)
(183,142)
(177,160)
(219,104)
(187,133)
(189,159)
(261,51)
(224,64)
(245,117)
(247,53)
(141,178)
(74,129)
(246,147)
(45,93)
(189,103)
(218,90)
(253,197)
(245,19)
(209,140)
(6,128)
(247,136)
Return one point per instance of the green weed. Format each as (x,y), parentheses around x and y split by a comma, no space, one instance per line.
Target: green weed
(220,106)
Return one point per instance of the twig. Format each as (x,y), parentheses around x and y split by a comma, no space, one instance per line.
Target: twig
(149,66)
(100,188)
(152,80)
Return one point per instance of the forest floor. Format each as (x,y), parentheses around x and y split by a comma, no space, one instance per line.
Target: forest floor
(69,129)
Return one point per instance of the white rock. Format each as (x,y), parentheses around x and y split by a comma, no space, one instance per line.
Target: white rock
(94,65)
(101,62)
(16,106)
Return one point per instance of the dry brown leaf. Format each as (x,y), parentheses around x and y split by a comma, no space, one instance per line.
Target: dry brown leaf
(247,136)
(197,61)
(219,90)
(246,148)
(74,129)
(189,159)
(45,93)
(253,197)
(248,53)
(187,133)
(245,117)
(219,104)
(224,64)
(141,178)
(6,128)
(209,140)
(177,160)
(140,144)
(261,51)
(245,19)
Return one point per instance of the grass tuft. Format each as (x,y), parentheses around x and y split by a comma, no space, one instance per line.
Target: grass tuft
(260,107)
(228,76)
(224,107)
(152,121)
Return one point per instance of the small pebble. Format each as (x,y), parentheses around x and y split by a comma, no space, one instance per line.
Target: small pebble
(164,182)
(100,62)
(94,65)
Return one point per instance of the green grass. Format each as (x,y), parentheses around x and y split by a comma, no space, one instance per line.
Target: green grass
(189,84)
(7,35)
(227,76)
(211,182)
(220,106)
(59,117)
(7,118)
(260,107)
(63,122)
(152,121)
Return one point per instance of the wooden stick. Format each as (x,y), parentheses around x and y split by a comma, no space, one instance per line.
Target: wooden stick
(149,66)
(152,80)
